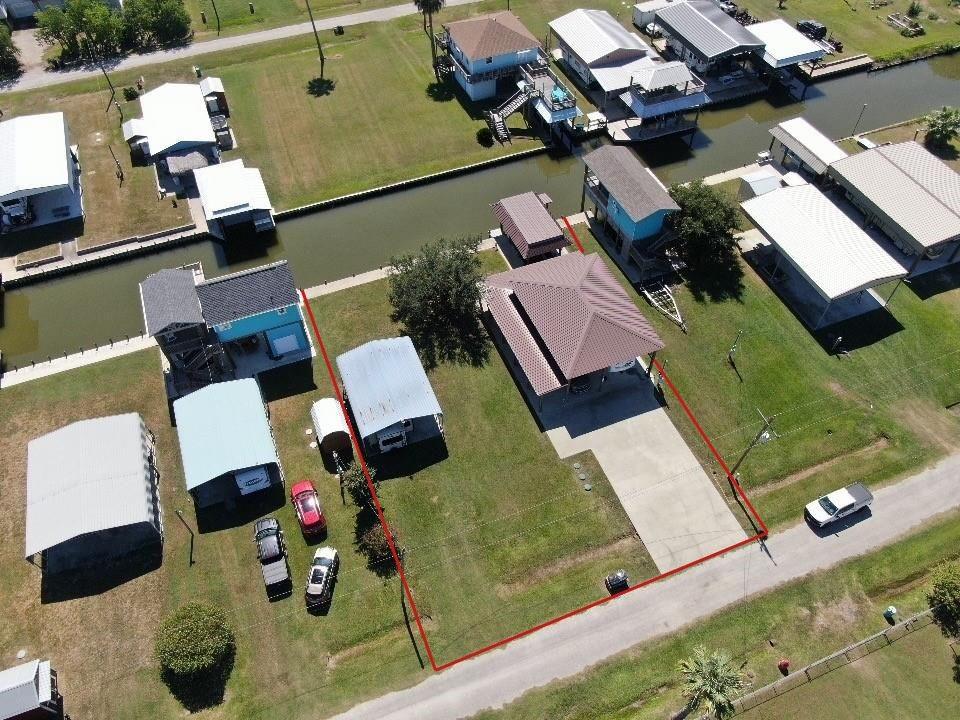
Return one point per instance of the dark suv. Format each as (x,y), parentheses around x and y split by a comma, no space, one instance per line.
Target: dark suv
(272,553)
(812,29)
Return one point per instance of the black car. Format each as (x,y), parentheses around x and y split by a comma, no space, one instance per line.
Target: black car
(812,29)
(272,553)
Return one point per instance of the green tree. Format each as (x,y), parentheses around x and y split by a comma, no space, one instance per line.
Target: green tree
(195,648)
(170,21)
(944,599)
(942,126)
(428,8)
(137,18)
(9,54)
(711,682)
(355,483)
(54,26)
(436,297)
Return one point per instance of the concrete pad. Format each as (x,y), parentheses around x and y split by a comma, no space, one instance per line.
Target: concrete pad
(673,505)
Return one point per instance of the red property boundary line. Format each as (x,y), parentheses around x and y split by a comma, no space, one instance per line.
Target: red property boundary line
(738,489)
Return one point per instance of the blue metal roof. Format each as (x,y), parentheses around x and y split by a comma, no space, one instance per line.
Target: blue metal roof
(386,384)
(223,428)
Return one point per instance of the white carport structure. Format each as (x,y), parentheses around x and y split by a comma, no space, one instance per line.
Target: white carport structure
(825,247)
(808,146)
(231,194)
(330,425)
(784,46)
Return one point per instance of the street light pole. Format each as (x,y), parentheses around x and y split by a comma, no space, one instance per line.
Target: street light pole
(212,2)
(862,110)
(316,36)
(762,436)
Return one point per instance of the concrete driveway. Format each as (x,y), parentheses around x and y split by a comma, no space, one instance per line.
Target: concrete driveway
(674,506)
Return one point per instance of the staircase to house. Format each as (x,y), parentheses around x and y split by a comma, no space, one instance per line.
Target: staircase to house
(497,119)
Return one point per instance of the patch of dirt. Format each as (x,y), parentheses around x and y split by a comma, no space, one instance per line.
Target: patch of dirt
(843,612)
(876,446)
(930,423)
(381,639)
(546,572)
(954,409)
(841,392)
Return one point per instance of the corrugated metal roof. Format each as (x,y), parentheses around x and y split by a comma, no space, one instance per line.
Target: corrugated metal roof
(809,144)
(486,36)
(34,154)
(88,476)
(661,75)
(386,384)
(210,85)
(825,246)
(532,361)
(705,29)
(596,37)
(529,225)
(615,77)
(582,314)
(783,44)
(169,297)
(223,428)
(629,181)
(327,416)
(175,113)
(909,185)
(230,188)
(249,292)
(24,687)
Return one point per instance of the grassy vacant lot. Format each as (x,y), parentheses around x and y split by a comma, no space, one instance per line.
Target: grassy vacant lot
(911,678)
(235,15)
(499,535)
(863,30)
(806,619)
(908,131)
(112,210)
(870,415)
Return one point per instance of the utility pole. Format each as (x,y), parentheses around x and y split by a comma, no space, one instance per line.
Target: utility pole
(733,348)
(117,163)
(212,2)
(862,110)
(316,36)
(189,530)
(762,436)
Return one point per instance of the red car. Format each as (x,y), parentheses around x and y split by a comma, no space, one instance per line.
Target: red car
(307,504)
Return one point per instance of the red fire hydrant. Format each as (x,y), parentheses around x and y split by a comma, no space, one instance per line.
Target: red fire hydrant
(783,666)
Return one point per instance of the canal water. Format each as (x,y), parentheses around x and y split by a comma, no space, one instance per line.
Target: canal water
(91,307)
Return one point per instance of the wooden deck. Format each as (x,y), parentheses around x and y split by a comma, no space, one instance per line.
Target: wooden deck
(855,63)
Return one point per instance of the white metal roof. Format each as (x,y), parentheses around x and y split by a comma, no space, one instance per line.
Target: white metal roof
(175,113)
(34,155)
(705,29)
(618,76)
(910,185)
(327,416)
(386,384)
(809,144)
(783,44)
(211,85)
(825,246)
(24,687)
(762,181)
(596,36)
(88,476)
(657,75)
(223,428)
(230,188)
(652,5)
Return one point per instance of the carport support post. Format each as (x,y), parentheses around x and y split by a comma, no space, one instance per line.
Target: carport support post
(189,530)
(653,359)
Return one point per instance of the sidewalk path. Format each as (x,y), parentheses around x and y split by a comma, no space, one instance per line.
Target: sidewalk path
(569,647)
(37,77)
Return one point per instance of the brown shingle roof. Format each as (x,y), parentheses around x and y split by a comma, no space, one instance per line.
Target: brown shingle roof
(491,35)
(528,224)
(579,312)
(629,181)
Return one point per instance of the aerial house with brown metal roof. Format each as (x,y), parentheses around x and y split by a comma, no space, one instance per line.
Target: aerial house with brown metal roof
(527,222)
(566,323)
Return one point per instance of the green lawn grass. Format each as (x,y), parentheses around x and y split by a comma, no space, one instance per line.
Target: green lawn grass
(871,415)
(863,30)
(913,678)
(805,620)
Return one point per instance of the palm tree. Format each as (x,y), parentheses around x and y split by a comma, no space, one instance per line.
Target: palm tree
(710,681)
(427,8)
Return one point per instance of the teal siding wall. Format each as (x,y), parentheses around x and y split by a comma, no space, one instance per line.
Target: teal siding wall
(266,322)
(645,228)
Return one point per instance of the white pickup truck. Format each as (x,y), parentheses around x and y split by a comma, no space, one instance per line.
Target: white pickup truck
(838,504)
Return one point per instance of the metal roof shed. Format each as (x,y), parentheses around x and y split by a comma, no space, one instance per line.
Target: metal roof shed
(706,30)
(809,145)
(91,492)
(783,45)
(174,117)
(832,253)
(529,225)
(386,385)
(596,37)
(223,430)
(26,688)
(34,155)
(330,425)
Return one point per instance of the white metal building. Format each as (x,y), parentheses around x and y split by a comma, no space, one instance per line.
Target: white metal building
(175,117)
(783,45)
(92,492)
(822,244)
(29,690)
(39,171)
(232,194)
(802,144)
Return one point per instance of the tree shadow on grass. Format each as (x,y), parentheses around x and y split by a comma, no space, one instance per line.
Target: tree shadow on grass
(321,87)
(370,541)
(202,690)
(944,152)
(441,91)
(720,280)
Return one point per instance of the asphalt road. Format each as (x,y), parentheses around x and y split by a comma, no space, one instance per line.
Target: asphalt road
(495,678)
(37,77)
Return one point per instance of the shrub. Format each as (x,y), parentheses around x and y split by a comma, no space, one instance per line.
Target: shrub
(914,9)
(485,137)
(355,483)
(944,599)
(130,94)
(373,544)
(195,648)
(9,54)
(933,16)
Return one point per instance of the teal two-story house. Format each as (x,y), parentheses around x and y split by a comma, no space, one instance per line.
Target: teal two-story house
(486,53)
(629,201)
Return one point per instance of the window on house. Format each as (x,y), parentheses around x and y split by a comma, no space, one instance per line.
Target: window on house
(489,60)
(282,311)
